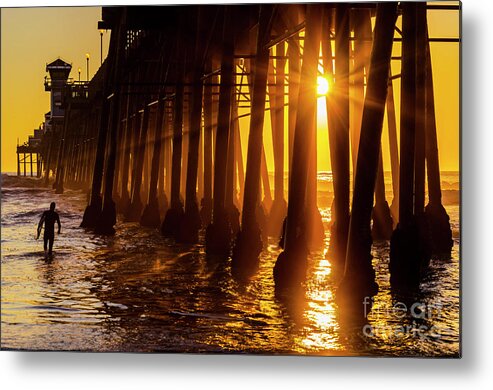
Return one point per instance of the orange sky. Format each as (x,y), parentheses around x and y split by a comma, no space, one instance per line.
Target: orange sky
(32,37)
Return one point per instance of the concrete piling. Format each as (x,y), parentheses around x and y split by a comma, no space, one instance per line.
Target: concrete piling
(107,218)
(437,217)
(276,97)
(359,277)
(206,206)
(409,252)
(290,266)
(339,136)
(93,210)
(248,244)
(191,223)
(218,233)
(151,216)
(155,135)
(174,215)
(134,211)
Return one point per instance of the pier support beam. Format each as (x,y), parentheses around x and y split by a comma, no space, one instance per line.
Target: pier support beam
(31,164)
(218,233)
(248,244)
(136,120)
(107,218)
(239,164)
(93,210)
(267,199)
(279,206)
(171,223)
(409,252)
(206,209)
(124,193)
(144,188)
(51,141)
(394,154)
(382,219)
(339,136)
(315,230)
(161,194)
(419,148)
(120,142)
(438,219)
(359,276)
(168,155)
(294,64)
(60,171)
(134,210)
(151,216)
(190,224)
(382,226)
(362,49)
(230,196)
(290,268)
(185,139)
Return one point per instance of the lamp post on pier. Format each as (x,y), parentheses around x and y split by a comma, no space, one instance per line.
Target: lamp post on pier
(87,66)
(79,74)
(101,46)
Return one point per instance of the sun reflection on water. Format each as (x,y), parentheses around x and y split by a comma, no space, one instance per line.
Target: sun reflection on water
(136,292)
(320,330)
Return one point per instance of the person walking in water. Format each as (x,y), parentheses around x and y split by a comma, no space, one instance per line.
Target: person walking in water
(49,218)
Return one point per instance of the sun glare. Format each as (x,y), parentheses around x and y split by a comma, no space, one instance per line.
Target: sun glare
(322,86)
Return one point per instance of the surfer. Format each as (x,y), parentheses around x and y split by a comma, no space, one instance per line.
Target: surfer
(49,218)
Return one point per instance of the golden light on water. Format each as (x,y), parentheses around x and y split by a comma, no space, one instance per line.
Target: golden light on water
(322,85)
(323,270)
(320,331)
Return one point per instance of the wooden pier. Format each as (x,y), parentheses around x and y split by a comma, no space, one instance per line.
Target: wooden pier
(156,135)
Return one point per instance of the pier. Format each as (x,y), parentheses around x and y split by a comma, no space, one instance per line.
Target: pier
(29,155)
(155,136)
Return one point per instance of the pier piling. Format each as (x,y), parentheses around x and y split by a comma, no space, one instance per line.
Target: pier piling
(248,244)
(359,276)
(290,266)
(218,233)
(156,136)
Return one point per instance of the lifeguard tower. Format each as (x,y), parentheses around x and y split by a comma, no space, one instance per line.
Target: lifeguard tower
(59,71)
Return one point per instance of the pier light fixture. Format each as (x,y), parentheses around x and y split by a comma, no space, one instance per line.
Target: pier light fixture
(101,46)
(87,63)
(79,73)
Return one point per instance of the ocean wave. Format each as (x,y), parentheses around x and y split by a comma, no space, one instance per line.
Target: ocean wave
(20,181)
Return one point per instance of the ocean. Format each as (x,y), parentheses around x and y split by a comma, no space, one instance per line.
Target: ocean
(138,292)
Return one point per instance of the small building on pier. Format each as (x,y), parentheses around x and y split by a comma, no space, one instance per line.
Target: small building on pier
(29,154)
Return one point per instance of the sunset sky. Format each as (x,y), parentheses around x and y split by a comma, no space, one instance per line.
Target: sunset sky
(32,37)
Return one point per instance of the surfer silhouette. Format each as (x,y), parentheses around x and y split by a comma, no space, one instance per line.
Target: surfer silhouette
(49,218)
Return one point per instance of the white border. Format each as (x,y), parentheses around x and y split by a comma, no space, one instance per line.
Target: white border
(474,370)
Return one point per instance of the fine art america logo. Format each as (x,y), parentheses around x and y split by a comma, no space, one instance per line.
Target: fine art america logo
(415,319)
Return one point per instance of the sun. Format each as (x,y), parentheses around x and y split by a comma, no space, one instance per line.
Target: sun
(322,86)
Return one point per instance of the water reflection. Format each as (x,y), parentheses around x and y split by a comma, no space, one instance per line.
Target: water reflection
(138,292)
